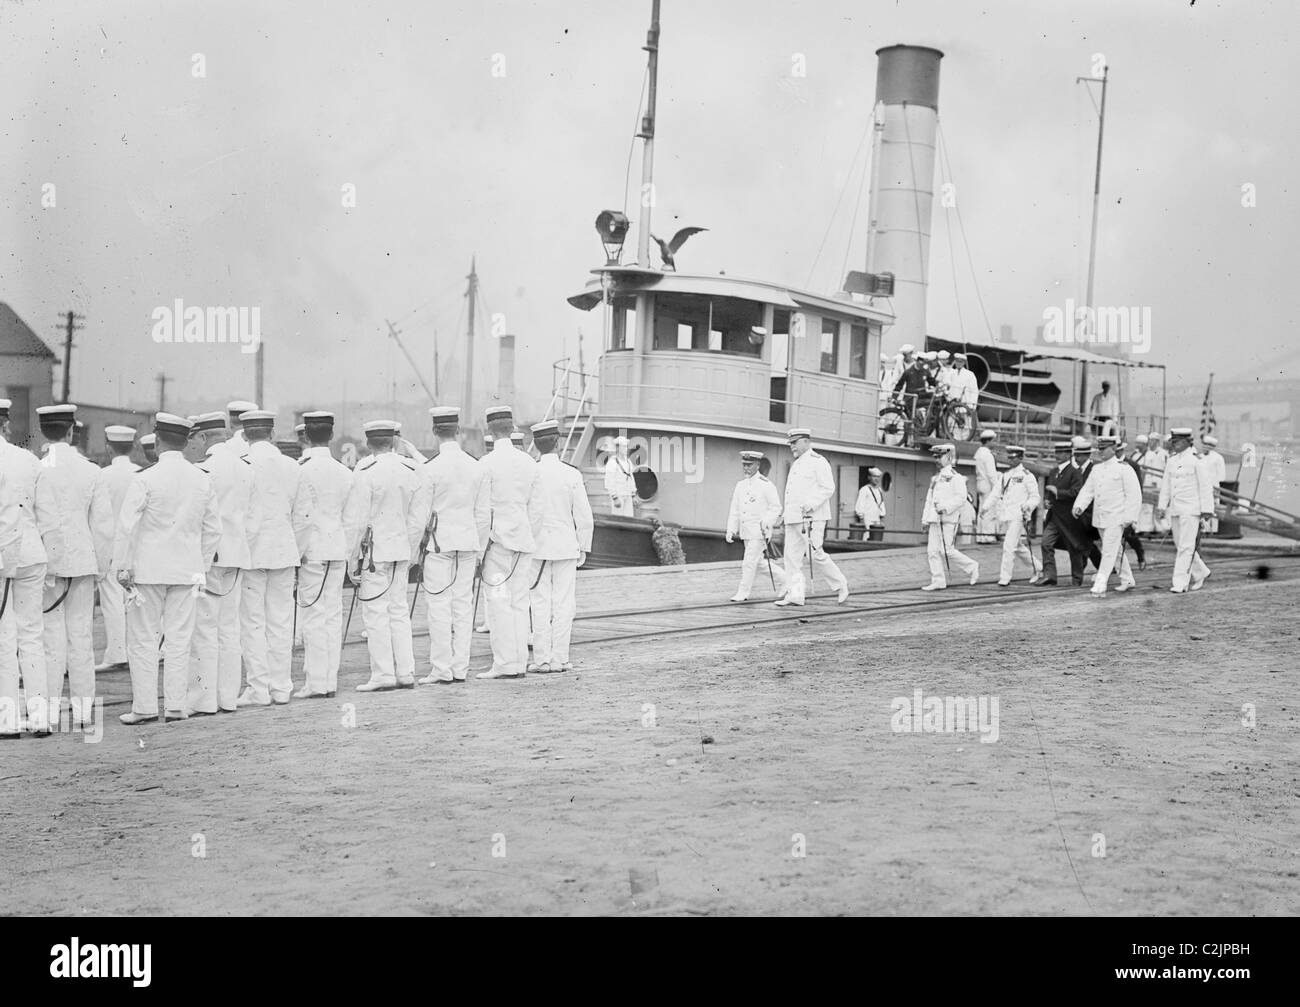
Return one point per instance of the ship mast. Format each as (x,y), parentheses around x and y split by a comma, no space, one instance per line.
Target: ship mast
(644,323)
(1092,245)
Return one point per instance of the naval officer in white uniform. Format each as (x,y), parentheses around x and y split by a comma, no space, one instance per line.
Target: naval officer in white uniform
(167,535)
(944,501)
(238,442)
(1186,500)
(1012,501)
(809,486)
(116,476)
(755,510)
(1113,491)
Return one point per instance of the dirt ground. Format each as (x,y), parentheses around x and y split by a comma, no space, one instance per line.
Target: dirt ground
(687,776)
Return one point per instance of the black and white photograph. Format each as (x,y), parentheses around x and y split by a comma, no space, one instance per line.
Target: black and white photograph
(650,459)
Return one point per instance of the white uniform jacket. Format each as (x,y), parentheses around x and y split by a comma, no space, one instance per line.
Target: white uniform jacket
(232,481)
(1015,491)
(986,470)
(1113,490)
(323,487)
(809,485)
(382,498)
(116,476)
(450,503)
(28,504)
(870,505)
(271,542)
(508,477)
(962,387)
(1185,488)
(560,511)
(619,480)
(79,540)
(755,508)
(945,498)
(169,527)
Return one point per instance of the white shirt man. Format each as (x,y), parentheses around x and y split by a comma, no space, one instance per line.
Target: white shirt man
(1014,499)
(562,531)
(944,501)
(1116,498)
(619,481)
(29,509)
(1216,471)
(808,489)
(870,505)
(960,384)
(78,548)
(506,537)
(1186,498)
(266,605)
(167,534)
(1103,409)
(323,488)
(218,650)
(383,529)
(450,509)
(116,476)
(1153,467)
(755,510)
(986,477)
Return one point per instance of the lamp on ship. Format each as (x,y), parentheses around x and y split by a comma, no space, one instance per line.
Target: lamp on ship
(612,227)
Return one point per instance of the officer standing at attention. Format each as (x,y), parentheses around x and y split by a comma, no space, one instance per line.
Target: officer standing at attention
(986,477)
(506,538)
(78,547)
(619,481)
(266,605)
(116,476)
(237,441)
(755,510)
(167,534)
(562,530)
(1113,492)
(944,501)
(29,502)
(1015,498)
(1187,502)
(218,650)
(809,486)
(451,509)
(323,488)
(870,505)
(383,536)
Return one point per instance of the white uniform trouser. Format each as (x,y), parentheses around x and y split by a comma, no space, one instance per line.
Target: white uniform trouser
(754,551)
(166,609)
(266,632)
(621,505)
(986,523)
(507,604)
(68,646)
(22,646)
(449,595)
(1188,564)
(320,617)
(1112,539)
(553,607)
(382,597)
(941,543)
(111,603)
(1015,547)
(217,650)
(797,542)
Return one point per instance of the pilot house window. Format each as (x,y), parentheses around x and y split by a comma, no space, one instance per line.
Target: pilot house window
(708,324)
(857,351)
(830,346)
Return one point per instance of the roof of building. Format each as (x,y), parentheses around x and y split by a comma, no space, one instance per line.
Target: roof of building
(17,338)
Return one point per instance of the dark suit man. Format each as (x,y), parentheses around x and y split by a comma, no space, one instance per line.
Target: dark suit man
(1054,529)
(1087,549)
(1131,540)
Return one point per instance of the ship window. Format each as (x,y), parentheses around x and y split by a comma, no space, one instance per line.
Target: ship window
(711,324)
(622,328)
(776,405)
(857,351)
(830,346)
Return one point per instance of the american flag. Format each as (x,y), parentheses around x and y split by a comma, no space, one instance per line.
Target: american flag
(1207,409)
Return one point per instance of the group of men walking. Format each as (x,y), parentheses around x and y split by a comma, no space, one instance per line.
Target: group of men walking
(206,559)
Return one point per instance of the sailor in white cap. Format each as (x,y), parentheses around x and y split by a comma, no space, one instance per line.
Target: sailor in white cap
(266,605)
(324,484)
(27,509)
(149,448)
(450,507)
(870,505)
(755,511)
(167,536)
(986,477)
(809,486)
(944,372)
(116,476)
(1013,501)
(1139,449)
(1153,470)
(78,548)
(1216,470)
(237,442)
(890,368)
(944,501)
(1115,496)
(507,542)
(217,648)
(1187,501)
(619,481)
(961,385)
(563,523)
(383,530)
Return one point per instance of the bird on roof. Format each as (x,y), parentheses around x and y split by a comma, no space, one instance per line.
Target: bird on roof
(668,249)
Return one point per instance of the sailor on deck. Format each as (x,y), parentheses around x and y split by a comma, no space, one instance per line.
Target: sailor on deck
(986,477)
(1186,499)
(809,486)
(620,483)
(944,501)
(755,510)
(116,476)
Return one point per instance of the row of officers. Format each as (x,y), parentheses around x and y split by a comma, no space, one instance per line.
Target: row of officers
(209,563)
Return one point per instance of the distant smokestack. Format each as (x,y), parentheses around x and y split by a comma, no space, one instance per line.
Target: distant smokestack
(506,370)
(902,185)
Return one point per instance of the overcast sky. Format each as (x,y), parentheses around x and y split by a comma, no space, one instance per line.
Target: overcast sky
(226,189)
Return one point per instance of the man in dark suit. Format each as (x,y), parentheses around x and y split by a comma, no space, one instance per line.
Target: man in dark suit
(1131,540)
(1057,513)
(1086,549)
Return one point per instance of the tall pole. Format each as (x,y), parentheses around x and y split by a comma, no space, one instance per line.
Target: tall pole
(396,336)
(259,375)
(435,366)
(1092,245)
(466,406)
(69,327)
(644,323)
(162,391)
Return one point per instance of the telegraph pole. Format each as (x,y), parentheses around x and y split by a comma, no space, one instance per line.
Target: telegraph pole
(162,380)
(70,325)
(472,293)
